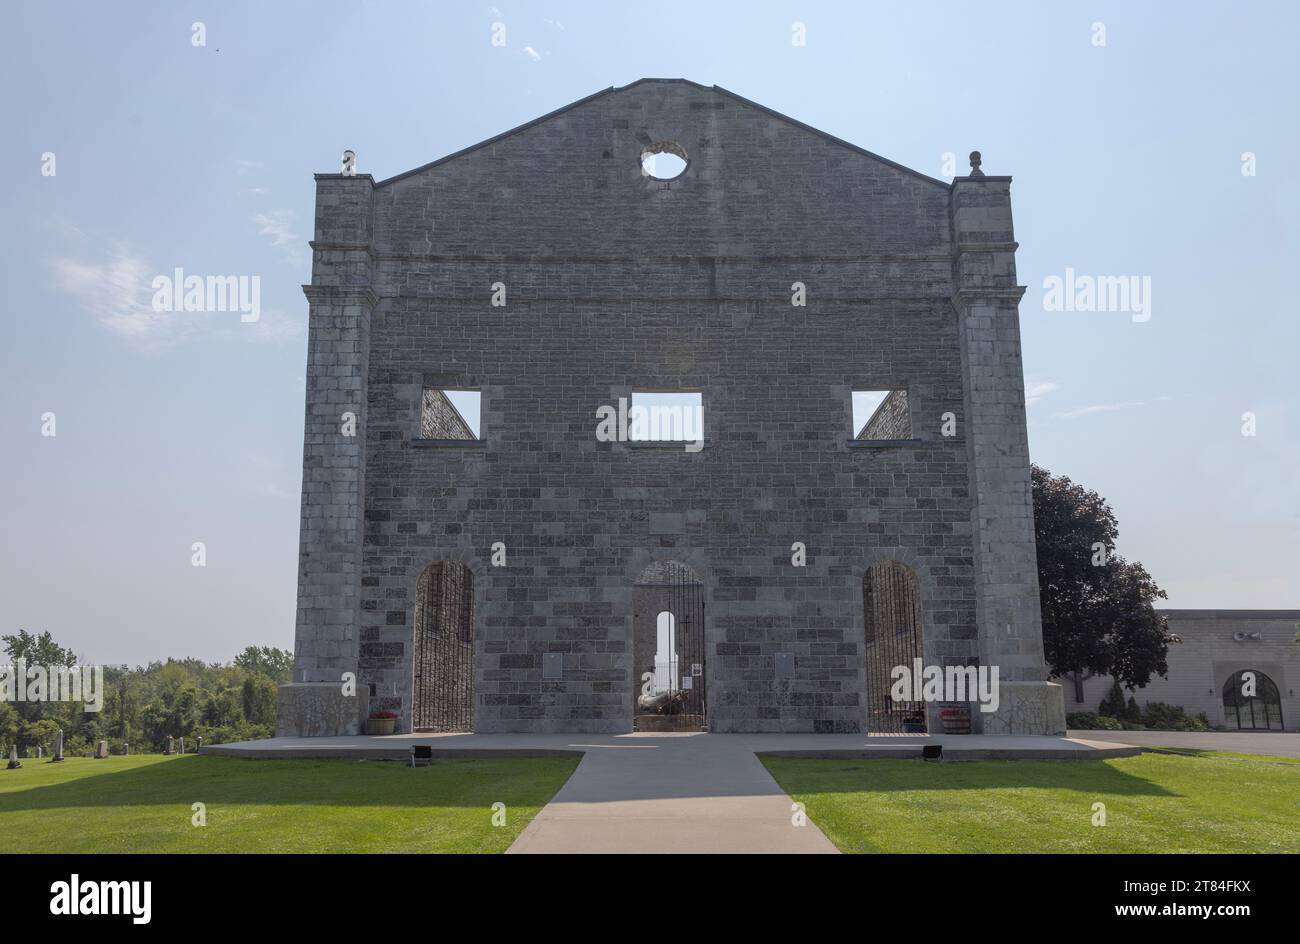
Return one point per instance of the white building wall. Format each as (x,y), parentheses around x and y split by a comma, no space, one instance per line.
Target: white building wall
(1208,655)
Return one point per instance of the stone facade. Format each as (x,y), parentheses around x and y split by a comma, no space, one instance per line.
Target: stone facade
(891,420)
(439,419)
(1215,645)
(615,281)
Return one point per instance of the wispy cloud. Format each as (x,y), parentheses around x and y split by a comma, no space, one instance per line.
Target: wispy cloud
(277,226)
(1035,389)
(532,54)
(118,291)
(243,167)
(1106,408)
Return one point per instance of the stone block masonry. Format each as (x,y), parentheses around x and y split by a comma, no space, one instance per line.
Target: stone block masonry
(617,282)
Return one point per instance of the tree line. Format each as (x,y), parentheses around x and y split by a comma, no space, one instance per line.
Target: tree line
(142,706)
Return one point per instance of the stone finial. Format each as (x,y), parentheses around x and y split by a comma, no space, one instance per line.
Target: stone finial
(975,161)
(349,163)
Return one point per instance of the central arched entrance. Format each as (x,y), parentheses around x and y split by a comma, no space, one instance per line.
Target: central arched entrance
(442,661)
(668,646)
(1252,702)
(891,605)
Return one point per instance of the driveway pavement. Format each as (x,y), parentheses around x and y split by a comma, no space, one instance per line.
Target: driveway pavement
(1277,743)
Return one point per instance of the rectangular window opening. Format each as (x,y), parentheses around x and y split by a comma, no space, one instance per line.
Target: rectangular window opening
(666,416)
(450,414)
(881,415)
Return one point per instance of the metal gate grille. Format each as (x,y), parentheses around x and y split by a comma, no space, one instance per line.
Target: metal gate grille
(685,707)
(891,602)
(444,649)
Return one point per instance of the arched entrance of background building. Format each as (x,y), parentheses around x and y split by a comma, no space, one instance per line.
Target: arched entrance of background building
(442,660)
(891,605)
(668,649)
(1251,702)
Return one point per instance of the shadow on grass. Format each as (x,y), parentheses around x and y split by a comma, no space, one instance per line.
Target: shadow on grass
(1100,777)
(449,783)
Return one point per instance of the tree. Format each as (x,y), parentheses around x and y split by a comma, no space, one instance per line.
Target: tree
(275,664)
(1098,608)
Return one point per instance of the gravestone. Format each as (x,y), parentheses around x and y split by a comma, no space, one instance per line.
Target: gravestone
(58,748)
(171,745)
(101,749)
(182,745)
(14,762)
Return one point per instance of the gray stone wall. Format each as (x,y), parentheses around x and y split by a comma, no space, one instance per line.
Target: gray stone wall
(617,282)
(439,419)
(892,419)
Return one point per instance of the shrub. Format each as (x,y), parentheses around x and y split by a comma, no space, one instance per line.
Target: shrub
(1164,717)
(1091,721)
(1113,706)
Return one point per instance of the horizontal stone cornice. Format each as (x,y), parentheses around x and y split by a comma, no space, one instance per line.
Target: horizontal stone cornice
(974,296)
(340,295)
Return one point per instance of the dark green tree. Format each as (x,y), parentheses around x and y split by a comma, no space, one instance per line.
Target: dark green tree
(1098,609)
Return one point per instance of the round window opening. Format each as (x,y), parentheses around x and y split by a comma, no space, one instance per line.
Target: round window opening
(663,161)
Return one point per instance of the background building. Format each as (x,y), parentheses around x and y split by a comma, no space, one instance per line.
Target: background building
(1205,670)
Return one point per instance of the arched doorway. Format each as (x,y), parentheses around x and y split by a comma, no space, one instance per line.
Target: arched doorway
(443,652)
(668,647)
(1252,702)
(891,605)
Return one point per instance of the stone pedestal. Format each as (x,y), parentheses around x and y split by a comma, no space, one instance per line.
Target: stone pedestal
(320,709)
(1027,708)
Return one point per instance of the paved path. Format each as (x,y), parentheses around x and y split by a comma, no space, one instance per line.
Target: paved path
(1276,743)
(671,793)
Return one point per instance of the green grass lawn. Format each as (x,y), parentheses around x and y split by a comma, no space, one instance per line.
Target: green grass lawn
(144,804)
(1236,755)
(1154,803)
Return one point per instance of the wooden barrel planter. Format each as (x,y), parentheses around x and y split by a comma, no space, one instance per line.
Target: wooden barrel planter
(956,720)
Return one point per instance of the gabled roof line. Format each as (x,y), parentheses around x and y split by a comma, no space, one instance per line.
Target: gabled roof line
(714,88)
(830,137)
(495,138)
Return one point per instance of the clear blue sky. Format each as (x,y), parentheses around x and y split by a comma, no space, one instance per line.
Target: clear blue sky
(179,429)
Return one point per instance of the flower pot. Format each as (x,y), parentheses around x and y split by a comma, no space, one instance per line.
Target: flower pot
(381,725)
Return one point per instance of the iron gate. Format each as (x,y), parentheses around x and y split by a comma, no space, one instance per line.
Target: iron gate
(684,682)
(891,603)
(444,649)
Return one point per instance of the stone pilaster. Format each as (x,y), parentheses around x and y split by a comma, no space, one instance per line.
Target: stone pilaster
(987,301)
(333,466)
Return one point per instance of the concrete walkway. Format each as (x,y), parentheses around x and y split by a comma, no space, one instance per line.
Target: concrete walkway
(671,793)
